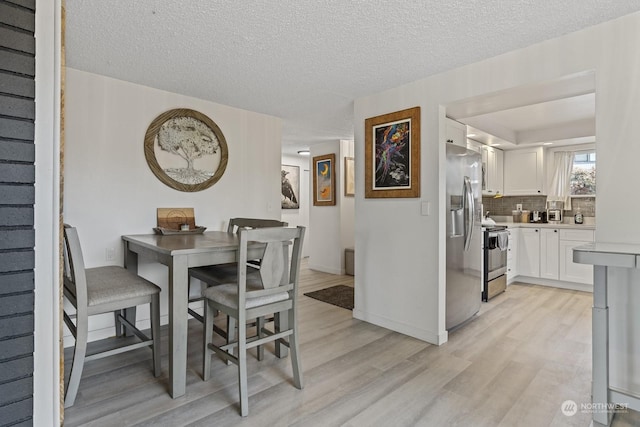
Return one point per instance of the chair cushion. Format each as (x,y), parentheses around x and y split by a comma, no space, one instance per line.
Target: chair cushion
(113,283)
(227,294)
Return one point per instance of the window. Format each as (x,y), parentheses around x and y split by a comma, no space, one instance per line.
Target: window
(583,176)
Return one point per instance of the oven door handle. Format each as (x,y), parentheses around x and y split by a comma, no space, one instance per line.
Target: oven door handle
(469,209)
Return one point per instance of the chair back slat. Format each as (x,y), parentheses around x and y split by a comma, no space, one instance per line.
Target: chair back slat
(75,279)
(272,266)
(275,274)
(236,224)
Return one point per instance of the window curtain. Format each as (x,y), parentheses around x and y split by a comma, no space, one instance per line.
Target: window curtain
(561,183)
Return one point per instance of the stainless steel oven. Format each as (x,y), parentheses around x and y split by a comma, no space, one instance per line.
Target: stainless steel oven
(495,242)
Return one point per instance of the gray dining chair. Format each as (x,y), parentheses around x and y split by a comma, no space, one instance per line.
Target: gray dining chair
(103,290)
(213,275)
(246,299)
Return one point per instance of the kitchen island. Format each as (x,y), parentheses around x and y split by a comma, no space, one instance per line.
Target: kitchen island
(615,266)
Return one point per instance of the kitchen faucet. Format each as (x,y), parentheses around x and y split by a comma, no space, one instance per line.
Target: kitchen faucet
(486,215)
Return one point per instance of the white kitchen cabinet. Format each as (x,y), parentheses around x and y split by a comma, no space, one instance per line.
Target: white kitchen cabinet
(549,239)
(512,253)
(570,271)
(455,133)
(524,172)
(492,171)
(529,252)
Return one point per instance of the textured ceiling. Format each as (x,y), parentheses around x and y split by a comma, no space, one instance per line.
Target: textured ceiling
(307,60)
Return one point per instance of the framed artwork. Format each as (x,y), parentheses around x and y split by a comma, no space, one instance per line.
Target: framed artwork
(290,176)
(392,154)
(324,180)
(349,177)
(186,150)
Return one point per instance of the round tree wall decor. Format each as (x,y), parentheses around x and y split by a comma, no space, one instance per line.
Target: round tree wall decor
(186,150)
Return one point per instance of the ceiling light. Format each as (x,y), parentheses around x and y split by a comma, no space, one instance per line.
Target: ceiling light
(547,143)
(494,145)
(304,152)
(471,135)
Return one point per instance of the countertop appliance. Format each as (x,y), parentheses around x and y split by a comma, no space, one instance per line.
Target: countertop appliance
(464,237)
(494,249)
(554,211)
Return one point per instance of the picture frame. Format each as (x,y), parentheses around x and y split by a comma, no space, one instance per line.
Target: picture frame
(349,177)
(392,155)
(186,150)
(324,180)
(290,195)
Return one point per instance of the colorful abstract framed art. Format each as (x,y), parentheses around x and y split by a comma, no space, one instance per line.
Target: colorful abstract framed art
(324,180)
(392,155)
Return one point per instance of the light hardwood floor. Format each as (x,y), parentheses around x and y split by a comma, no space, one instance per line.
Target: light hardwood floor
(527,351)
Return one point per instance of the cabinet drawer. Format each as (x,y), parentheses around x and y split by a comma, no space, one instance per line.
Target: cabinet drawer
(580,235)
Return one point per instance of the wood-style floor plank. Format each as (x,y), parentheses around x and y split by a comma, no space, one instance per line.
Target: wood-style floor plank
(514,364)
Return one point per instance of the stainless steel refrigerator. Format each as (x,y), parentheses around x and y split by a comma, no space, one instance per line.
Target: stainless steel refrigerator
(464,235)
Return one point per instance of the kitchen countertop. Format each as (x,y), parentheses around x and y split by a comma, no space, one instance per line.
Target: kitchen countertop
(546,225)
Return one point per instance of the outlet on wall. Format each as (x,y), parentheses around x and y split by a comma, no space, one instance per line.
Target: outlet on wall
(518,206)
(110,254)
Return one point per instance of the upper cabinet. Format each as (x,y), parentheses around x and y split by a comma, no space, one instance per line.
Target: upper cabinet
(492,171)
(456,133)
(524,172)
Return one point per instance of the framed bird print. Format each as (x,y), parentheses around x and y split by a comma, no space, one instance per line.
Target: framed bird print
(324,180)
(392,154)
(290,177)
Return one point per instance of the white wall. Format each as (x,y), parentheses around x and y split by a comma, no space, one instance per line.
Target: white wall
(332,226)
(400,282)
(296,217)
(109,190)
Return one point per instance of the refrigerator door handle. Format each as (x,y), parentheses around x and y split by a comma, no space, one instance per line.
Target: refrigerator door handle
(469,209)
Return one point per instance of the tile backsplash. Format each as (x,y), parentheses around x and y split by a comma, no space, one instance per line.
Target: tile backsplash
(504,205)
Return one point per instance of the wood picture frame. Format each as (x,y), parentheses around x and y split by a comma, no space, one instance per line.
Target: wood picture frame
(392,155)
(324,180)
(183,135)
(349,177)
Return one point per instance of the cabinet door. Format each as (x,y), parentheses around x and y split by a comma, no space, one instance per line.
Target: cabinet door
(474,145)
(456,133)
(549,239)
(492,171)
(570,271)
(524,172)
(529,252)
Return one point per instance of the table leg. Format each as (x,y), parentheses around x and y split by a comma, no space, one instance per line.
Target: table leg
(131,264)
(178,302)
(600,347)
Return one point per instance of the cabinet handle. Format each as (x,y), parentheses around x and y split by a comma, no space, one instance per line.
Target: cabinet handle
(555,231)
(539,191)
(536,230)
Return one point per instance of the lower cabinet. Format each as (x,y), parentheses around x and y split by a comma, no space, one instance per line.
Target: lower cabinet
(547,253)
(529,252)
(549,260)
(570,271)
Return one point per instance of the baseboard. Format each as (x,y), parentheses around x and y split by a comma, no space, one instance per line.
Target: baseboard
(421,334)
(554,283)
(329,270)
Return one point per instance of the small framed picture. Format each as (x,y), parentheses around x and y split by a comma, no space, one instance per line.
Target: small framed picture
(349,177)
(324,180)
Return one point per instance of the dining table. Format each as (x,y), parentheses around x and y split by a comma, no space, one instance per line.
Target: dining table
(179,252)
